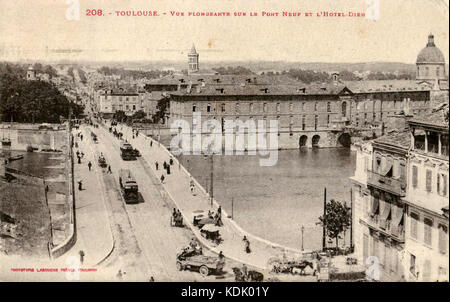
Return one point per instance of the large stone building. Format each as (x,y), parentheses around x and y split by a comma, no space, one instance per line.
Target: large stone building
(126,99)
(317,114)
(400,209)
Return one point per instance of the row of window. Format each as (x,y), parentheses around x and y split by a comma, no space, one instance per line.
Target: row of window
(278,107)
(428,232)
(437,180)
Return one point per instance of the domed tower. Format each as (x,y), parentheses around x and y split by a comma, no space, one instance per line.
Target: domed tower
(430,63)
(193,60)
(31,74)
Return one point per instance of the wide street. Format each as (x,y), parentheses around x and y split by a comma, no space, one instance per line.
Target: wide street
(145,243)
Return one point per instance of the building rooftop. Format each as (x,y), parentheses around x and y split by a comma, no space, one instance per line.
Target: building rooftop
(264,89)
(401,139)
(438,117)
(386,86)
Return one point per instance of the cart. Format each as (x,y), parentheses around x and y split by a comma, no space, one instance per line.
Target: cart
(190,259)
(211,232)
(102,161)
(176,220)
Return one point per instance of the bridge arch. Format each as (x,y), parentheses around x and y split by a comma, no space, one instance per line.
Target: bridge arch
(315,141)
(302,141)
(344,140)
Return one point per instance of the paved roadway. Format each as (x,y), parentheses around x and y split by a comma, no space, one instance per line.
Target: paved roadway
(149,221)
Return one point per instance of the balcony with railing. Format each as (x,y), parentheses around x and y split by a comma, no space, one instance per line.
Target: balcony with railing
(387,183)
(385,227)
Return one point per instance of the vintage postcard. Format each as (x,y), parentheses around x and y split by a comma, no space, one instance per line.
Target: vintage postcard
(223,141)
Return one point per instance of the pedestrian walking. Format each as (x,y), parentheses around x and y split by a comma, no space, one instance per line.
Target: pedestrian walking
(78,153)
(156,165)
(89,165)
(192,186)
(119,274)
(168,169)
(81,137)
(151,143)
(246,245)
(109,169)
(81,253)
(80,185)
(221,256)
(79,159)
(162,178)
(165,165)
(171,161)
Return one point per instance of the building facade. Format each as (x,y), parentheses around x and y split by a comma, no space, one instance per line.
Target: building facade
(129,101)
(427,238)
(315,115)
(400,209)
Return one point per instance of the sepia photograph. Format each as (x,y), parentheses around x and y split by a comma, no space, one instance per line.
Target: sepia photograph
(205,141)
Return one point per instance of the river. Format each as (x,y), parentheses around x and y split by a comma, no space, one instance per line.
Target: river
(274,202)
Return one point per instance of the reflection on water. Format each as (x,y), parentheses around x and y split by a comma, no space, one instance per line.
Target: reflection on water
(274,202)
(44,165)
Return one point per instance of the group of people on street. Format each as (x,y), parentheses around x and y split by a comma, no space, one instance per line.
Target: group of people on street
(166,166)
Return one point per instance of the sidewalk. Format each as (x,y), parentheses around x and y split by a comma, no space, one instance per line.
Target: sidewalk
(94,235)
(177,187)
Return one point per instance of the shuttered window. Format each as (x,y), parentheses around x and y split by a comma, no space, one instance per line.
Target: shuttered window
(427,228)
(413,227)
(426,270)
(414,176)
(428,180)
(443,235)
(365,247)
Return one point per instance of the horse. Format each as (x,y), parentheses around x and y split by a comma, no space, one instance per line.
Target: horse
(301,267)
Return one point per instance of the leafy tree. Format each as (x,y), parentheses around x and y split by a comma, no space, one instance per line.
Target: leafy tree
(33,101)
(231,70)
(138,115)
(337,219)
(120,116)
(162,106)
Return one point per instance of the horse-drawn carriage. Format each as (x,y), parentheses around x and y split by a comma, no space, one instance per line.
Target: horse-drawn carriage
(193,259)
(202,218)
(292,265)
(176,220)
(211,232)
(102,161)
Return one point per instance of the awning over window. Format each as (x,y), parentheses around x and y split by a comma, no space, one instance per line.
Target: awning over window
(375,203)
(389,162)
(397,215)
(385,210)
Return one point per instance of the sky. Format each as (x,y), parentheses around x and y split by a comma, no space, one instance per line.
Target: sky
(40,30)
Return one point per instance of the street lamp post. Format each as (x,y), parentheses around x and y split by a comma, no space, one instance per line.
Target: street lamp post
(212,179)
(303,230)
